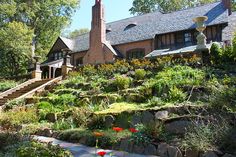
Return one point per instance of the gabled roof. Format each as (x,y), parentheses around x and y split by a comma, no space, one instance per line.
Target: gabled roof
(149,25)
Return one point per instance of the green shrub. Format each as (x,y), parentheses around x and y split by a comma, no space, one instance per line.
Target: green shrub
(177,76)
(216,53)
(89,70)
(224,98)
(33,149)
(7,84)
(15,102)
(45,107)
(16,118)
(7,139)
(176,95)
(205,136)
(65,99)
(64,124)
(122,82)
(140,74)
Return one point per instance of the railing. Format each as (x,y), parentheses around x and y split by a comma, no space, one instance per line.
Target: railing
(16,88)
(40,88)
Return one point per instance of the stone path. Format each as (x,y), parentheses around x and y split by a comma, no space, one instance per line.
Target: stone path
(79,150)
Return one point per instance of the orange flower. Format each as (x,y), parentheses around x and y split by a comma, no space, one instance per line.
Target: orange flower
(98,134)
(117,129)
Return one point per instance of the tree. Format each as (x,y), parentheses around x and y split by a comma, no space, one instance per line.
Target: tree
(147,6)
(77,32)
(46,19)
(15,49)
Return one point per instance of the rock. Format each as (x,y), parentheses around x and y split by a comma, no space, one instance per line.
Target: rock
(162,150)
(147,117)
(48,132)
(161,115)
(55,134)
(210,154)
(174,152)
(136,119)
(177,127)
(126,145)
(138,149)
(109,120)
(51,117)
(44,132)
(150,150)
(229,155)
(191,153)
(83,140)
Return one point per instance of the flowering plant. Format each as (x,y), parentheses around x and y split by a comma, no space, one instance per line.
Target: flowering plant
(133,130)
(101,153)
(117,129)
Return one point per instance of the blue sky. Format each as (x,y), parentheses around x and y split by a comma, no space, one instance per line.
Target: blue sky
(114,10)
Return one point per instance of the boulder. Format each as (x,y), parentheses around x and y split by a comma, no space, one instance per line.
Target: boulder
(210,154)
(138,149)
(109,120)
(178,127)
(44,132)
(83,140)
(126,145)
(150,150)
(161,115)
(147,117)
(162,150)
(136,119)
(174,152)
(191,153)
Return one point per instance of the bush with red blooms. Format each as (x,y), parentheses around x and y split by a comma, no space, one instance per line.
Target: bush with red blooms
(117,129)
(101,153)
(133,130)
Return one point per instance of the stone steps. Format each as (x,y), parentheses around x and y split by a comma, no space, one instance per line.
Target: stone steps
(22,91)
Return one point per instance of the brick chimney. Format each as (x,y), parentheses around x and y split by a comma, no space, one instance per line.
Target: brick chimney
(98,26)
(228,5)
(99,49)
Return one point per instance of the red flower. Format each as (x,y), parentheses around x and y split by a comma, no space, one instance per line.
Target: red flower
(117,129)
(102,153)
(133,130)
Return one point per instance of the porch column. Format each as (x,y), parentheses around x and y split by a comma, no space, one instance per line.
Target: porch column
(54,72)
(50,71)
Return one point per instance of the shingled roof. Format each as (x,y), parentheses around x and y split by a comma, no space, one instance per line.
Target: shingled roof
(149,25)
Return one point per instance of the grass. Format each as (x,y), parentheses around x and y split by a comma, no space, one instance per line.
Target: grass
(116,108)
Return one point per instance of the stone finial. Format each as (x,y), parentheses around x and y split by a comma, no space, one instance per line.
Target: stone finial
(201,38)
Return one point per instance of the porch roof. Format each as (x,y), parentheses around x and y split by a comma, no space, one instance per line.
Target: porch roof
(55,64)
(166,52)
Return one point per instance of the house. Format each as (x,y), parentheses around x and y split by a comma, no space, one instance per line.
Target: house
(148,35)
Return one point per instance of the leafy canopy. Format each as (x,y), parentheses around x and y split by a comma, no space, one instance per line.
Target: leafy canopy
(147,6)
(46,19)
(15,49)
(78,32)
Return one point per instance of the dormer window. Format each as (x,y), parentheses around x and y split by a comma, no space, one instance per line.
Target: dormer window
(130,26)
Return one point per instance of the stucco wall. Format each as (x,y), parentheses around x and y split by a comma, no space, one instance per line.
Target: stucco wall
(148,45)
(76,56)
